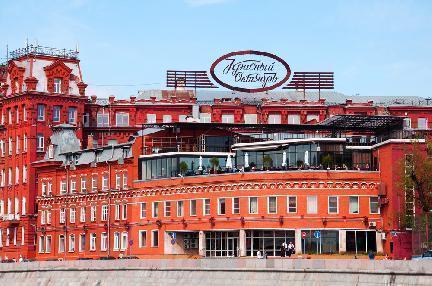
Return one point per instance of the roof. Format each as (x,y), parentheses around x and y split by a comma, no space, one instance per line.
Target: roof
(368,122)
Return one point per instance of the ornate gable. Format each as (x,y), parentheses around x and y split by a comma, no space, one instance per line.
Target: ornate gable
(16,76)
(58,69)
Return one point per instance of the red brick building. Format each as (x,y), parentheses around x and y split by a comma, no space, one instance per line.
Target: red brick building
(168,172)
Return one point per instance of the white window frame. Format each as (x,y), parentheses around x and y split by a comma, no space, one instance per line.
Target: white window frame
(143,210)
(370,205)
(268,205)
(312,208)
(351,211)
(194,212)
(206,207)
(154,234)
(142,242)
(180,209)
(288,204)
(337,205)
(250,205)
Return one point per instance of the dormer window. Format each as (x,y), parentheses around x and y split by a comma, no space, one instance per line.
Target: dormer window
(57,85)
(16,84)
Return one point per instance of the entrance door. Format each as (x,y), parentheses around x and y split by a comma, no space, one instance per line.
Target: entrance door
(232,247)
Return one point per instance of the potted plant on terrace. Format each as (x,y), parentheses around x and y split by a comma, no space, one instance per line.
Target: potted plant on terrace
(327,161)
(267,162)
(183,166)
(214,163)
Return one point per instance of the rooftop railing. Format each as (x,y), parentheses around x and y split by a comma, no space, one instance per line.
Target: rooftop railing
(44,51)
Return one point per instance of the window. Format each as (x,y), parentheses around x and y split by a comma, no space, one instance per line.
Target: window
(151,118)
(272,205)
(312,204)
(251,118)
(104,241)
(221,206)
(422,123)
(104,215)
(48,244)
(25,143)
(253,205)
(16,207)
(206,207)
(62,215)
(143,212)
(10,145)
(86,119)
(40,143)
(167,119)
(41,112)
(48,216)
(82,214)
(124,211)
(236,206)
(56,114)
(82,242)
(354,205)
(63,187)
(93,241)
(292,204)
(105,182)
(124,240)
(125,180)
(57,85)
(333,205)
(155,212)
(72,186)
(24,206)
(103,119)
(180,208)
(43,189)
(2,148)
(118,179)
(24,113)
(17,114)
(182,118)
(407,123)
(72,213)
(83,184)
(17,145)
(94,183)
(227,118)
(167,209)
(142,238)
(24,178)
(122,119)
(61,244)
(72,115)
(155,238)
(3,178)
(10,116)
(41,244)
(72,243)
(43,217)
(116,241)
(193,207)
(274,119)
(311,117)
(374,205)
(93,213)
(205,117)
(117,211)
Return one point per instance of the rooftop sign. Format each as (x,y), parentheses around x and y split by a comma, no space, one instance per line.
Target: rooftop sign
(250,71)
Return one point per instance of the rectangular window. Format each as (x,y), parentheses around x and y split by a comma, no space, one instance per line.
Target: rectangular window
(167,119)
(24,113)
(235,205)
(82,242)
(122,119)
(353,205)
(124,211)
(40,143)
(151,118)
(142,237)
(94,183)
(374,205)
(82,214)
(103,119)
(206,207)
(294,118)
(25,143)
(62,244)
(72,115)
(155,211)
(333,205)
(250,118)
(24,179)
(48,244)
(41,112)
(221,206)
(193,207)
(62,215)
(43,217)
(312,204)
(105,182)
(292,204)
(117,212)
(10,145)
(116,241)
(72,186)
(48,215)
(143,211)
(72,213)
(205,117)
(83,184)
(93,241)
(253,205)
(274,119)
(104,214)
(125,180)
(155,238)
(227,118)
(93,213)
(118,179)
(41,244)
(63,186)
(17,145)
(56,113)
(104,241)
(124,241)
(71,243)
(57,85)
(180,208)
(422,123)
(272,205)
(167,209)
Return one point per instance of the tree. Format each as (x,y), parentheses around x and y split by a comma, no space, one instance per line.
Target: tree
(215,163)
(267,161)
(183,167)
(327,160)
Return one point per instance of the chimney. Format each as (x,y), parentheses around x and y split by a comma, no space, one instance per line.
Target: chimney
(93,98)
(349,102)
(90,144)
(111,99)
(133,99)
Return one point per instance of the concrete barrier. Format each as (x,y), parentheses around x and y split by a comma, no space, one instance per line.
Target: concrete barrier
(218,272)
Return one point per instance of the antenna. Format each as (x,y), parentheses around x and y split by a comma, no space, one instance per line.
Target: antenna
(7,52)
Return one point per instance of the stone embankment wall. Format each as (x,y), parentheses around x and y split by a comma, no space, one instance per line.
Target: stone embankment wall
(218,272)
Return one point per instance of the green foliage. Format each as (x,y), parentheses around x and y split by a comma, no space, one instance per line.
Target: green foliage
(267,161)
(183,167)
(214,162)
(327,160)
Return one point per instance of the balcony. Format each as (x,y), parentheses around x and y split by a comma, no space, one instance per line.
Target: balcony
(12,218)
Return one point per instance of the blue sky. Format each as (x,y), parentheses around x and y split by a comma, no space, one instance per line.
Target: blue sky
(374,47)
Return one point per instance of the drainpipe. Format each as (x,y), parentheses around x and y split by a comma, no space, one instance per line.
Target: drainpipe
(109,201)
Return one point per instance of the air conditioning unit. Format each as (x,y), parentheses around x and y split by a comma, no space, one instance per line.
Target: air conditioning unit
(372,224)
